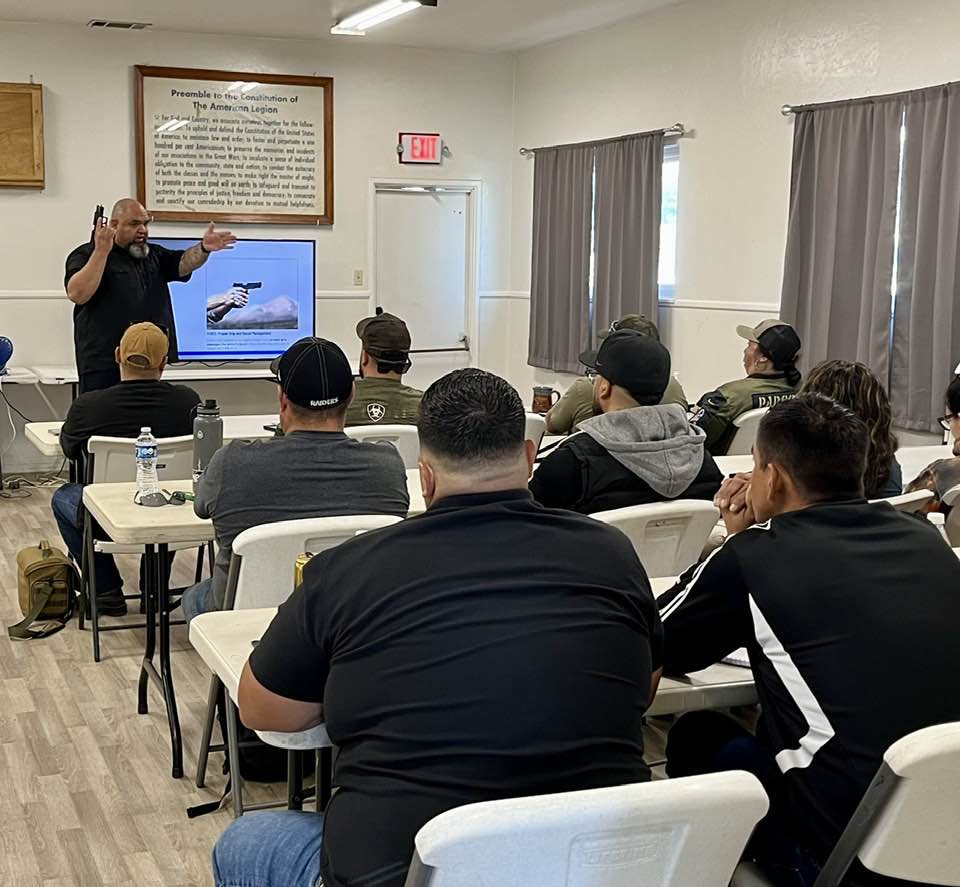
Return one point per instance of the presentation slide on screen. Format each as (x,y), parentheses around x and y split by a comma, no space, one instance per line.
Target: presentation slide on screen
(248,303)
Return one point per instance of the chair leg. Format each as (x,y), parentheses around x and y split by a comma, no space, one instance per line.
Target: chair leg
(198,573)
(84,570)
(210,557)
(212,695)
(233,750)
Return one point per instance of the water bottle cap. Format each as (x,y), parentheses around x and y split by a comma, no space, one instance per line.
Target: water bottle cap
(145,429)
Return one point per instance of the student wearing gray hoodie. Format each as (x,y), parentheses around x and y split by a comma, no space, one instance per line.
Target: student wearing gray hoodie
(636,450)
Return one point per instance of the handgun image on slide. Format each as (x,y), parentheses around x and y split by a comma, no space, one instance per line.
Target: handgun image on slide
(255,285)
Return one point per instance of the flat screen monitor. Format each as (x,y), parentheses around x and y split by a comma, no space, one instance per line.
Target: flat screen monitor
(248,303)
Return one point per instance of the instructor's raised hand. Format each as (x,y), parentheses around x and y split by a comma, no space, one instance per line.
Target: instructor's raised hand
(214,241)
(103,237)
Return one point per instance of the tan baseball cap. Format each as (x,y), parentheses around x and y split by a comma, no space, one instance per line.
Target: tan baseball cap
(144,346)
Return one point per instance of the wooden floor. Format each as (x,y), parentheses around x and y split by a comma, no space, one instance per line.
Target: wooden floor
(86,796)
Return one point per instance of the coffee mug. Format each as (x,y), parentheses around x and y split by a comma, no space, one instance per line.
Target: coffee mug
(543,398)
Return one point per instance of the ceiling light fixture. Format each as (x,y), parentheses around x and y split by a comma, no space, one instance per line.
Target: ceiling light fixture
(359,23)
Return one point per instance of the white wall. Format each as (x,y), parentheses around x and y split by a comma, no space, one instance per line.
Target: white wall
(88,110)
(723,68)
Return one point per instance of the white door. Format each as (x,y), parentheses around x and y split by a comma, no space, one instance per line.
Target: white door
(422,274)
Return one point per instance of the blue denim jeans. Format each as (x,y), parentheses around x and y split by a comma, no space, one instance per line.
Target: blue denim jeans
(198,599)
(66,510)
(270,850)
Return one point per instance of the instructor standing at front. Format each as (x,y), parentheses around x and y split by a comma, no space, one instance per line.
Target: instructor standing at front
(117,279)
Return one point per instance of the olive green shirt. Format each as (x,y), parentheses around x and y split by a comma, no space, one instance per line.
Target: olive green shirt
(716,411)
(576,405)
(384,401)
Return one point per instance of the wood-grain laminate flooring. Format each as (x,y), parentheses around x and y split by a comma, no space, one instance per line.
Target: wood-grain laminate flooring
(86,796)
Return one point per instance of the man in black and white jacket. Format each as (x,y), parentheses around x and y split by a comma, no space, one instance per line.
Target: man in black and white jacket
(849,613)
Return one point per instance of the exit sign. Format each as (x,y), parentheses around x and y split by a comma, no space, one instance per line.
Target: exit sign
(420,147)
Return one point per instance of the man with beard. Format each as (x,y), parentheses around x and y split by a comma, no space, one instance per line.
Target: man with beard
(118,278)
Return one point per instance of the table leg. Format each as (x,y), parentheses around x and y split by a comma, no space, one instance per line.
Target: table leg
(150,645)
(294,780)
(166,672)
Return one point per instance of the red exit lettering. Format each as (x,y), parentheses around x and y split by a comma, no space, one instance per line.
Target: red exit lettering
(424,148)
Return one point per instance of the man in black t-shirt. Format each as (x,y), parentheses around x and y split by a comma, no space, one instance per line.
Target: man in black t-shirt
(849,613)
(467,654)
(118,278)
(139,399)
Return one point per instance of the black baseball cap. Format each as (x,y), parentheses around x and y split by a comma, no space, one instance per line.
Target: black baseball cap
(634,361)
(384,335)
(777,340)
(314,373)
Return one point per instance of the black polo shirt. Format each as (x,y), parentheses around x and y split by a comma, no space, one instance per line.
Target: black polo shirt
(123,409)
(131,290)
(471,653)
(850,613)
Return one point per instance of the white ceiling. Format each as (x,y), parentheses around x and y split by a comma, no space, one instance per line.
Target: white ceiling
(481,25)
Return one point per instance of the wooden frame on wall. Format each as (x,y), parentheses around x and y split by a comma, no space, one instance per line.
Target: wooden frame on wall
(21,135)
(229,146)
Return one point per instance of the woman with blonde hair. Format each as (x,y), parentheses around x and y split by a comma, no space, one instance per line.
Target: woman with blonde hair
(856,387)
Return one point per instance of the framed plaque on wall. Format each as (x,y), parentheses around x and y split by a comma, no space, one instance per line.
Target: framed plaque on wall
(234,147)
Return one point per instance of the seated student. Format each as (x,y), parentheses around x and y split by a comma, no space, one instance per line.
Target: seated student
(139,399)
(853,385)
(770,361)
(849,613)
(467,654)
(314,470)
(636,450)
(381,398)
(577,405)
(942,475)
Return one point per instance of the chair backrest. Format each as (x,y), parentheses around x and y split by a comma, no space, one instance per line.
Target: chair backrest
(908,503)
(906,826)
(670,833)
(261,568)
(403,437)
(667,536)
(114,459)
(536,428)
(746,435)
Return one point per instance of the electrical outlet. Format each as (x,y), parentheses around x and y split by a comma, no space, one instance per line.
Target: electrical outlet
(358,278)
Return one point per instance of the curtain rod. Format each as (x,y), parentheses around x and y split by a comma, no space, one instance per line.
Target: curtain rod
(678,130)
(787,110)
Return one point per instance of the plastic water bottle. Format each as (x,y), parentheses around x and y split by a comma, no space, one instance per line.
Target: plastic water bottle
(147,482)
(207,437)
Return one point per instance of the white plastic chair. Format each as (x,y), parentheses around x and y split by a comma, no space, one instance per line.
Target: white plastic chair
(667,536)
(261,575)
(404,437)
(113,460)
(670,833)
(536,428)
(908,503)
(746,435)
(906,826)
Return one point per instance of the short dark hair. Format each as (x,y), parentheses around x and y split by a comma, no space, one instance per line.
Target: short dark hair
(310,416)
(953,396)
(472,416)
(821,444)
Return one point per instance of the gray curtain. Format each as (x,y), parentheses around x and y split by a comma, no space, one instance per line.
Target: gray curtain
(560,273)
(629,189)
(926,330)
(838,268)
